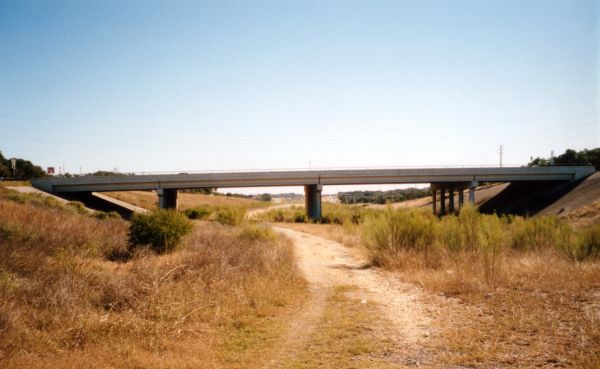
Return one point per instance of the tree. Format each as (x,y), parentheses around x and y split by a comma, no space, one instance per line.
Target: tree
(24,169)
(570,157)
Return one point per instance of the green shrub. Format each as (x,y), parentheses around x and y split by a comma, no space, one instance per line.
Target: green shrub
(199,212)
(300,216)
(77,206)
(162,230)
(398,229)
(257,232)
(229,215)
(102,215)
(588,243)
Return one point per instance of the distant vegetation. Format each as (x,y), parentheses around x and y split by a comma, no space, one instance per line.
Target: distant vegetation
(589,157)
(382,197)
(24,170)
(232,215)
(332,214)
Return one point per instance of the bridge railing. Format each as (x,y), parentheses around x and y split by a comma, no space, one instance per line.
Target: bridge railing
(307,169)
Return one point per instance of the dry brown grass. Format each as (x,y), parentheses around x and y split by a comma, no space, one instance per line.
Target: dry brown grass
(538,308)
(544,311)
(345,336)
(585,216)
(15,183)
(149,200)
(218,302)
(347,235)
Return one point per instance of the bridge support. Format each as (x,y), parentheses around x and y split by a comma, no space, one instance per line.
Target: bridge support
(451,200)
(434,199)
(312,201)
(449,189)
(167,198)
(442,200)
(472,187)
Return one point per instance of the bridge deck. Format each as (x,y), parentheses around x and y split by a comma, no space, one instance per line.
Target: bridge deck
(310,177)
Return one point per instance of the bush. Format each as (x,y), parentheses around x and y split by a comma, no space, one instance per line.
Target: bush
(77,206)
(256,232)
(199,212)
(229,215)
(162,230)
(588,243)
(102,215)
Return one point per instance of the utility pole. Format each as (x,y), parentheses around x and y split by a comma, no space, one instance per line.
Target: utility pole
(500,152)
(13,164)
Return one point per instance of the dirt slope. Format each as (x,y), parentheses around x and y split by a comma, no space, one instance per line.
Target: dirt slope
(581,205)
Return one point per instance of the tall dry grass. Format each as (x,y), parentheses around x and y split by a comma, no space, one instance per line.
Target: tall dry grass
(401,239)
(531,285)
(215,302)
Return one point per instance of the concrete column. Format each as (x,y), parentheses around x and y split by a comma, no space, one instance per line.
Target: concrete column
(461,197)
(167,198)
(451,200)
(472,187)
(442,201)
(312,201)
(434,199)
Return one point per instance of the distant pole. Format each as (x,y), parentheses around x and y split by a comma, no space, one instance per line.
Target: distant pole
(13,164)
(500,152)
(552,157)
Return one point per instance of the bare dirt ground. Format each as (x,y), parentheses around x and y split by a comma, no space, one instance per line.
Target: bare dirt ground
(399,321)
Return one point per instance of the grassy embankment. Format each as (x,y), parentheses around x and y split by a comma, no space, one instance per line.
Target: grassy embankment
(149,200)
(531,286)
(220,300)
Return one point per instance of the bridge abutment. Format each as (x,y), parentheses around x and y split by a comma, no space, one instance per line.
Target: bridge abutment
(167,198)
(312,201)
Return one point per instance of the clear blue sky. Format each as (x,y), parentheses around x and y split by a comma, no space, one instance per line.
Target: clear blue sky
(157,86)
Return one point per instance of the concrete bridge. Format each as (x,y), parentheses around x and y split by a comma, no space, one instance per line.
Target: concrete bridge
(444,181)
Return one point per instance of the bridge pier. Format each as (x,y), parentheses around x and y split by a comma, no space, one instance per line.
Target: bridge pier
(167,198)
(451,199)
(434,198)
(312,201)
(472,187)
(450,189)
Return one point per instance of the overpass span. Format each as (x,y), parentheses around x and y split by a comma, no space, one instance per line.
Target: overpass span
(442,180)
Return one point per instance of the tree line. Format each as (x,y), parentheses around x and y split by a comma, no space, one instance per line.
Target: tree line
(570,157)
(382,197)
(24,169)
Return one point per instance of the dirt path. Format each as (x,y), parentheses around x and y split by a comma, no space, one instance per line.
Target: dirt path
(328,265)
